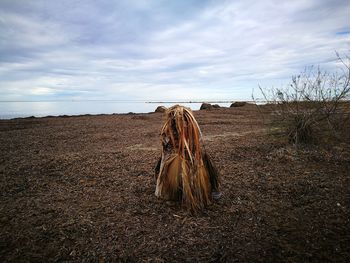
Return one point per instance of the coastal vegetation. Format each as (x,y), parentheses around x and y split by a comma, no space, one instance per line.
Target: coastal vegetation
(314,107)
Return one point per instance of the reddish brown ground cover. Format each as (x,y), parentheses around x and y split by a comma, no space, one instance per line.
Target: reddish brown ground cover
(82,189)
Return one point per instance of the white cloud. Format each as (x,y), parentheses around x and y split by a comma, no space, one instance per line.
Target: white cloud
(42,91)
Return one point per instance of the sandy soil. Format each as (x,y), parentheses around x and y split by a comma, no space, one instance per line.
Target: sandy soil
(81,189)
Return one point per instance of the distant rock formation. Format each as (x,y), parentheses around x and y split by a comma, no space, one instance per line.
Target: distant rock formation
(206,106)
(160,109)
(238,104)
(216,106)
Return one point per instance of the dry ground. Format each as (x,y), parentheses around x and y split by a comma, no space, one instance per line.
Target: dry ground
(81,189)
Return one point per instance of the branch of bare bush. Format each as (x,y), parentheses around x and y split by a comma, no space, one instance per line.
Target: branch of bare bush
(314,106)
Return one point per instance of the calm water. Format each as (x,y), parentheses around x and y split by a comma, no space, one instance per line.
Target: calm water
(9,110)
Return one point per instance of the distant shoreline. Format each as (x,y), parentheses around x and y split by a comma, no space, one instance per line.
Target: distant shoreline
(33,109)
(89,114)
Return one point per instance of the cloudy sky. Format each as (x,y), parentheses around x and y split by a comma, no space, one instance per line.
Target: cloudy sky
(163,50)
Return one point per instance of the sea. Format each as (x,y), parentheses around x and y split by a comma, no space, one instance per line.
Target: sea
(22,109)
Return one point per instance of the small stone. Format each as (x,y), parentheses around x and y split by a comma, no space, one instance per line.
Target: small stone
(216,195)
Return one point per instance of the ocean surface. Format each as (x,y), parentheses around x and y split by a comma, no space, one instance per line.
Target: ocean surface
(16,109)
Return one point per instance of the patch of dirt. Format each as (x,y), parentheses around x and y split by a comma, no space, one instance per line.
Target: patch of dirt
(82,190)
(226,135)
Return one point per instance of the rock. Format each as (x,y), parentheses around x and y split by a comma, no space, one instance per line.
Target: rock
(238,104)
(216,195)
(160,109)
(206,106)
(216,106)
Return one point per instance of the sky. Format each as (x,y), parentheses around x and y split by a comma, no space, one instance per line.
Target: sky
(163,50)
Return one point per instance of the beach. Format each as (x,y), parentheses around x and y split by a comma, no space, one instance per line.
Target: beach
(81,189)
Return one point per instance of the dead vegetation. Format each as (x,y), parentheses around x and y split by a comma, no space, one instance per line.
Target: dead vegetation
(185,172)
(314,107)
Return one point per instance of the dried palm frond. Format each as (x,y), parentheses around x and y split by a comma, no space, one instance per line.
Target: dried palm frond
(184,171)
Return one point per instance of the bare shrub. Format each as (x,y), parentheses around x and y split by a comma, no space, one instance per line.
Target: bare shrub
(314,106)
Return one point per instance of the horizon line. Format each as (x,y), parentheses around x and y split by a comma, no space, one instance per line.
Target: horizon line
(140,101)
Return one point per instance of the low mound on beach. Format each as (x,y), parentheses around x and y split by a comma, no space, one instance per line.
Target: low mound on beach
(82,189)
(160,109)
(238,104)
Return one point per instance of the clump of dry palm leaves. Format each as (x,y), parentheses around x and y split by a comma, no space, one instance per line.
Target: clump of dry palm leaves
(184,171)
